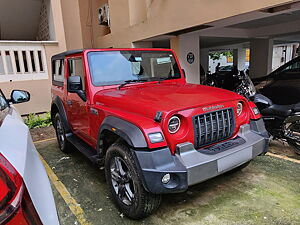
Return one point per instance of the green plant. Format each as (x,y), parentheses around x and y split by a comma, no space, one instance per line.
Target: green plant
(38,121)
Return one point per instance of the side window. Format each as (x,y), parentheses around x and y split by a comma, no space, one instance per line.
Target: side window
(76,69)
(58,72)
(294,67)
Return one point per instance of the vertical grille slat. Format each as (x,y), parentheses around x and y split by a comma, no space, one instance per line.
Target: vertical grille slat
(218,125)
(213,127)
(224,124)
(229,125)
(200,133)
(205,126)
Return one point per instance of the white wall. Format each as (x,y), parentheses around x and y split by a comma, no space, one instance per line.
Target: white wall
(280,57)
(190,43)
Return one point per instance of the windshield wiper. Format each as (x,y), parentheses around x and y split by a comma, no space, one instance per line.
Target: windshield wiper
(131,81)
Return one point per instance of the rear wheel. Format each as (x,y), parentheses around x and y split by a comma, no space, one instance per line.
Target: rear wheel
(64,145)
(125,184)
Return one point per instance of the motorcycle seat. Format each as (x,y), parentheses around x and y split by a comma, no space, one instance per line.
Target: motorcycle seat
(296,107)
(279,110)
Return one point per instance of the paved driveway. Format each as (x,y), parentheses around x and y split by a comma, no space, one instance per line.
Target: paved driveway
(266,192)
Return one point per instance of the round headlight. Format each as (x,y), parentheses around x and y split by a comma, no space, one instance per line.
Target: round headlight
(239,108)
(174,124)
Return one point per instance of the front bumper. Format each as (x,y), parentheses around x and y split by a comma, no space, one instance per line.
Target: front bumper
(190,166)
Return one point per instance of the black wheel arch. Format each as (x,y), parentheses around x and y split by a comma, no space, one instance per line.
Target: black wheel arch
(119,128)
(58,107)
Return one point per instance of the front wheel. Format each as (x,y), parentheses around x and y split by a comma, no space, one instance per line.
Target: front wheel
(125,183)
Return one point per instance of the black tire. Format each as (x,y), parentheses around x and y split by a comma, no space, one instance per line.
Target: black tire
(239,168)
(63,144)
(294,143)
(125,184)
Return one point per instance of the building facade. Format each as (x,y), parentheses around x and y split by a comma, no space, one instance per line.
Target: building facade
(193,28)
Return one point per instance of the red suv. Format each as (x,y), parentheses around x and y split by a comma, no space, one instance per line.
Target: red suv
(132,111)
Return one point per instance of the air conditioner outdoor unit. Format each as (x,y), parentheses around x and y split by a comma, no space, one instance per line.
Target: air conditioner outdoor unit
(104,15)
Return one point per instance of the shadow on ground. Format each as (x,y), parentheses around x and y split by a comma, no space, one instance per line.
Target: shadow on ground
(266,192)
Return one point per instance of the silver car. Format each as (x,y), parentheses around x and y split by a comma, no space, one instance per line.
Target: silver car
(25,192)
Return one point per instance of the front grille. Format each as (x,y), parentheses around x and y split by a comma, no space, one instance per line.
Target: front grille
(213,127)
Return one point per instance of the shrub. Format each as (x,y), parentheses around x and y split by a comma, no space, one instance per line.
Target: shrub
(38,121)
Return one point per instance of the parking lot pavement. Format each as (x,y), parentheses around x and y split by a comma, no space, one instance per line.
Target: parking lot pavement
(266,192)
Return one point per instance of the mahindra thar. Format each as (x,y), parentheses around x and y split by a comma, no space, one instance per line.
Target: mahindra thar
(132,111)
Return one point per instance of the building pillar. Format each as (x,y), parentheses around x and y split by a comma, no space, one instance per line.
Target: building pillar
(189,54)
(239,58)
(142,44)
(174,45)
(261,54)
(204,59)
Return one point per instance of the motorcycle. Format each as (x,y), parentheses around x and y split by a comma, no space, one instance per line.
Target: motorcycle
(281,121)
(237,81)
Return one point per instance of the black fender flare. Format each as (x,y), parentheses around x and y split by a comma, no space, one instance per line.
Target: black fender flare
(62,112)
(129,132)
(133,135)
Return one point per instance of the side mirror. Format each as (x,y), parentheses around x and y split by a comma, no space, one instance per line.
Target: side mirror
(19,96)
(74,85)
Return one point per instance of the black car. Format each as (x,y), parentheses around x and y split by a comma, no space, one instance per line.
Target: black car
(282,86)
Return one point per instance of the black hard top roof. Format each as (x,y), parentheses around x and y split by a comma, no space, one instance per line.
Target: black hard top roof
(66,53)
(78,51)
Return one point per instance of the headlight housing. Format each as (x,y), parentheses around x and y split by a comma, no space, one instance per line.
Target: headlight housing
(239,108)
(174,124)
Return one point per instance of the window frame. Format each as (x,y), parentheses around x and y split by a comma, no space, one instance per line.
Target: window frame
(83,77)
(54,70)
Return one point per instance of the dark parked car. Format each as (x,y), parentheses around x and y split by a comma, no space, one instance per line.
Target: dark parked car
(282,86)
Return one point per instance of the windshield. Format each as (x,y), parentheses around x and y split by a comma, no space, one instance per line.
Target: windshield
(116,67)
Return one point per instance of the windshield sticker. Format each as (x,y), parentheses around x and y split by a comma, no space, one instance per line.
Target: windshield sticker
(163,60)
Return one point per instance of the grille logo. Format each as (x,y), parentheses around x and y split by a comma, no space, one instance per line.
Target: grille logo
(212,107)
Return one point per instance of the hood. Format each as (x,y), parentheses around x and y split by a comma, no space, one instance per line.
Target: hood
(147,99)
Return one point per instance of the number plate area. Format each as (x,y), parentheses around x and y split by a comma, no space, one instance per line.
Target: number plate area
(234,159)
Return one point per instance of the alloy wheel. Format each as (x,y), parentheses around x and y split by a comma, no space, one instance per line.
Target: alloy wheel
(122,180)
(60,133)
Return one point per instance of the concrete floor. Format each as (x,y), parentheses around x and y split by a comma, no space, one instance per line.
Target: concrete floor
(266,192)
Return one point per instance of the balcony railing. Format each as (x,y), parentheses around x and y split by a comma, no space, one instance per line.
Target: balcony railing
(22,60)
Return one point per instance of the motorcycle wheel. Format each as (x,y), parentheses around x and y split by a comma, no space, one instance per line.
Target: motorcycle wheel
(295,144)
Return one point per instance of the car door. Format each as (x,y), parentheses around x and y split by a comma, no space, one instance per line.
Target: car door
(283,86)
(77,109)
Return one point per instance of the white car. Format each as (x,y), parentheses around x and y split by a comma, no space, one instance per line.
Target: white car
(25,192)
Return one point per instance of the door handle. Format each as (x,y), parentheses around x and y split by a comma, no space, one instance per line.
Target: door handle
(69,102)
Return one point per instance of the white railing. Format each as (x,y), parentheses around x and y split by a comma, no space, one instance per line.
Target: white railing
(22,60)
